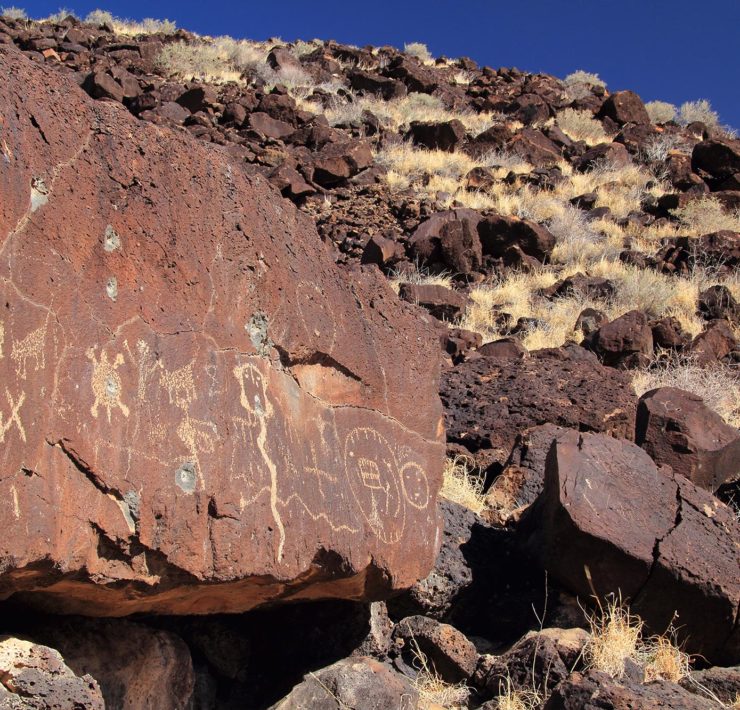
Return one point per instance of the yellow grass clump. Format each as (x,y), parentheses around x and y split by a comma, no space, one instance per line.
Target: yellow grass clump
(434,691)
(581,126)
(461,485)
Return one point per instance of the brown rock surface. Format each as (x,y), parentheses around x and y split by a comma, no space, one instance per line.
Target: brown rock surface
(199,412)
(610,522)
(677,429)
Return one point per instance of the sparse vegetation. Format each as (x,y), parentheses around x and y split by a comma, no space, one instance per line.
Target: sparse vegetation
(579,84)
(581,126)
(420,51)
(700,110)
(461,485)
(132,28)
(705,215)
(13,13)
(661,111)
(433,689)
(617,639)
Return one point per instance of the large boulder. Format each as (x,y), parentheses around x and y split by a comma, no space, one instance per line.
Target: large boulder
(610,522)
(135,666)
(449,239)
(677,429)
(719,158)
(626,341)
(199,411)
(489,402)
(497,233)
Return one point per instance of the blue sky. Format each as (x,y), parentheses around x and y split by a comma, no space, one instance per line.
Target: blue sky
(673,50)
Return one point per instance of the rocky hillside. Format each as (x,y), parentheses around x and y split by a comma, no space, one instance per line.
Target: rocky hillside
(355,378)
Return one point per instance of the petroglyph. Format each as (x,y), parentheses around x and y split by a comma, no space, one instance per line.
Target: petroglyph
(14,417)
(180,385)
(372,470)
(253,398)
(415,485)
(32,346)
(106,384)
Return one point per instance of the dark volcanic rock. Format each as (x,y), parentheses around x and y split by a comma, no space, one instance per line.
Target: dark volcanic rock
(714,343)
(676,428)
(184,375)
(625,107)
(449,238)
(599,691)
(717,302)
(626,341)
(359,683)
(136,666)
(718,158)
(497,233)
(489,402)
(610,522)
(451,655)
(441,136)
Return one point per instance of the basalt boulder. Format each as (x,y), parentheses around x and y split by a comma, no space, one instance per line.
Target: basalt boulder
(199,412)
(609,521)
(677,429)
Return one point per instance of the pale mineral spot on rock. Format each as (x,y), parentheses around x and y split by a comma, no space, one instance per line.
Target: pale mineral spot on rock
(186,477)
(111,288)
(111,239)
(39,194)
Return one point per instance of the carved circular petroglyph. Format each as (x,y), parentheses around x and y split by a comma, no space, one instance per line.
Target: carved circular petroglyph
(185,477)
(372,470)
(415,485)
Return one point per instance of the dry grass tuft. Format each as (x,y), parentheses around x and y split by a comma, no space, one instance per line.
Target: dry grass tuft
(513,699)
(718,386)
(617,639)
(581,126)
(433,690)
(420,276)
(705,215)
(461,485)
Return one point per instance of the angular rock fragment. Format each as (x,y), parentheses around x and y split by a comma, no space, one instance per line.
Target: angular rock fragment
(610,522)
(360,683)
(677,429)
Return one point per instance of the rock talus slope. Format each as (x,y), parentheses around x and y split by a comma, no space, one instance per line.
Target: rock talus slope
(198,411)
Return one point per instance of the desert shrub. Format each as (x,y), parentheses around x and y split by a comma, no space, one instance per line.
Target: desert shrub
(301,48)
(580,83)
(700,110)
(419,50)
(661,111)
(581,126)
(13,13)
(148,25)
(583,77)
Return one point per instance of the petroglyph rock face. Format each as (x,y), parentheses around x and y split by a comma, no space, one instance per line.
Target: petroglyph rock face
(198,411)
